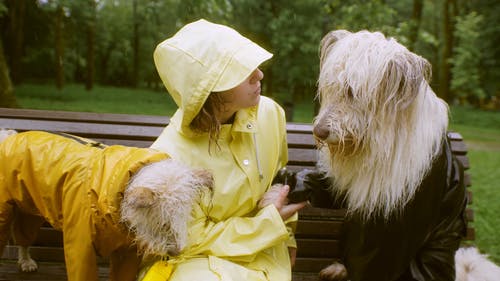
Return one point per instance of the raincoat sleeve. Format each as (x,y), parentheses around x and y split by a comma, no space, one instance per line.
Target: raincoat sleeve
(239,238)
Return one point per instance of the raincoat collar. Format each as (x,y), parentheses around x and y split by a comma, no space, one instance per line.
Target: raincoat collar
(245,122)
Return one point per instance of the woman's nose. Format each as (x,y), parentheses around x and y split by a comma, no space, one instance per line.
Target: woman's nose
(257,75)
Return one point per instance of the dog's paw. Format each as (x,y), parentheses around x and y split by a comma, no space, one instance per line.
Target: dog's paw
(27,265)
(334,272)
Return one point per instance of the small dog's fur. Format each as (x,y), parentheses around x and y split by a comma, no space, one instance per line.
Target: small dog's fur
(474,266)
(154,213)
(381,129)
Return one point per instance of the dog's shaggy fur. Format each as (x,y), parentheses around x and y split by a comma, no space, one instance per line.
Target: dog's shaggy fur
(474,266)
(153,214)
(384,123)
(381,129)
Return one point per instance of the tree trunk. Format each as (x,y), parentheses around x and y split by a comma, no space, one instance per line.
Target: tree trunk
(446,51)
(89,80)
(15,38)
(135,45)
(7,98)
(59,47)
(416,19)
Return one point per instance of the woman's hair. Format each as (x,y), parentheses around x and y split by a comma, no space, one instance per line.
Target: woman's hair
(206,120)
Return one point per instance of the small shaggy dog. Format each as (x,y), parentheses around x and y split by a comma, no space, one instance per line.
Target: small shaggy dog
(382,140)
(115,201)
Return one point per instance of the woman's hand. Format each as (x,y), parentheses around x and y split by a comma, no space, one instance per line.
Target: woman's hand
(277,196)
(293,255)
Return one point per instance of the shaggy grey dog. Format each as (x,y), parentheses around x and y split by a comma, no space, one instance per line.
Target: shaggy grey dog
(382,137)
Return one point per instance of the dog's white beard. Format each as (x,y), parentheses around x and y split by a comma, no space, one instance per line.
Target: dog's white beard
(389,132)
(160,225)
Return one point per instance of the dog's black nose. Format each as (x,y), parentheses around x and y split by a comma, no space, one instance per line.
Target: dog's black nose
(321,132)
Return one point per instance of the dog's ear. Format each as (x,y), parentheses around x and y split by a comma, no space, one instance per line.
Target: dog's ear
(328,41)
(140,197)
(405,74)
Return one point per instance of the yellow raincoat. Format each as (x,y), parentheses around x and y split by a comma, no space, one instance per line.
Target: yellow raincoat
(229,238)
(73,185)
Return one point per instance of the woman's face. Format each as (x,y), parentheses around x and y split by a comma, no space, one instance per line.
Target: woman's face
(244,95)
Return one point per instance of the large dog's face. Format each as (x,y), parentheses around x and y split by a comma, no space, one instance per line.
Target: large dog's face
(366,84)
(380,124)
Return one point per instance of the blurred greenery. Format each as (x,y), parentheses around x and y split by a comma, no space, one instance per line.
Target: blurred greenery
(110,42)
(74,97)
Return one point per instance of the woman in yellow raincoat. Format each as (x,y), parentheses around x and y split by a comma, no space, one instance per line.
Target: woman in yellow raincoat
(223,124)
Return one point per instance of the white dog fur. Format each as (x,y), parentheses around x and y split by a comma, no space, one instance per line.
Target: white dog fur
(378,154)
(377,134)
(471,265)
(156,207)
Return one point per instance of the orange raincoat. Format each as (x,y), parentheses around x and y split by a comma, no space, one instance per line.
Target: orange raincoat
(73,185)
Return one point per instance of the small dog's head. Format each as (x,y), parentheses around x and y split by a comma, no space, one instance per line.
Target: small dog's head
(366,85)
(157,205)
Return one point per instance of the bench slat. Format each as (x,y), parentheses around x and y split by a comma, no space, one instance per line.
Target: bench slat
(73,116)
(318,248)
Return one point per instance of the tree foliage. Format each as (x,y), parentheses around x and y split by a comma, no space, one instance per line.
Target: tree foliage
(466,60)
(60,40)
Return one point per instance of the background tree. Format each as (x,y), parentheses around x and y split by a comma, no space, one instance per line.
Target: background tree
(90,35)
(111,42)
(448,12)
(59,45)
(466,60)
(14,36)
(416,19)
(7,98)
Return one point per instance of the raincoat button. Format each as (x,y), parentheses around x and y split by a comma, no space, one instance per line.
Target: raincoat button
(246,162)
(249,126)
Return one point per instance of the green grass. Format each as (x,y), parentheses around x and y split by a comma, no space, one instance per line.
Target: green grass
(481,132)
(100,99)
(480,129)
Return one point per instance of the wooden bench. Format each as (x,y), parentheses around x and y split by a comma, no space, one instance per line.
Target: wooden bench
(317,231)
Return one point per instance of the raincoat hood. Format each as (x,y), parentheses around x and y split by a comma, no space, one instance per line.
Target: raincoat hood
(201,58)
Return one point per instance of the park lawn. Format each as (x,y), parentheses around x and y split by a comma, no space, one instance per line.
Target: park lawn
(101,99)
(480,129)
(483,145)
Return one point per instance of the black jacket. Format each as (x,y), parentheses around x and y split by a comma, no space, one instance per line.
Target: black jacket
(416,243)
